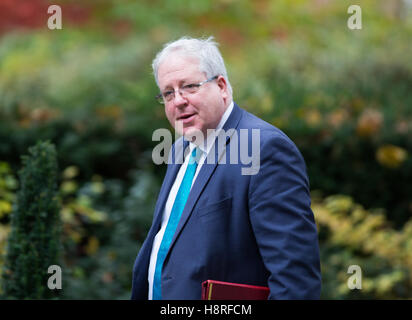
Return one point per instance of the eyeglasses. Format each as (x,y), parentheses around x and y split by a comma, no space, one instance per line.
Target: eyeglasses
(191,88)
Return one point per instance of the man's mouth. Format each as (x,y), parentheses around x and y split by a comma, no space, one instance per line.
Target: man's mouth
(186,117)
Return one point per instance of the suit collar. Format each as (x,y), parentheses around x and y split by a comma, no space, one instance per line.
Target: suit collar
(234,118)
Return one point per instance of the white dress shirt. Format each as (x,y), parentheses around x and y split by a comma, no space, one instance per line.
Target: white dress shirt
(173,192)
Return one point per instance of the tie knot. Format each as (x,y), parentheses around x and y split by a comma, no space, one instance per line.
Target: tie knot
(195,156)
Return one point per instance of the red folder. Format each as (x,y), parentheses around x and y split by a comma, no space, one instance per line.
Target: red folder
(218,290)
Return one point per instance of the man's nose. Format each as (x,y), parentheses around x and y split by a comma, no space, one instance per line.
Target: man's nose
(178,99)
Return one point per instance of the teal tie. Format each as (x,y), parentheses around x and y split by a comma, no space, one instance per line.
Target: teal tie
(174,218)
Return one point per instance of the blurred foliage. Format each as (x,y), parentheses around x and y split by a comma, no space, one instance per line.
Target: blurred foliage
(8,185)
(34,240)
(351,235)
(343,96)
(98,247)
(105,222)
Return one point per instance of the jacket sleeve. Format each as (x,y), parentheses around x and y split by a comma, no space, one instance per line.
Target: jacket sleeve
(283,222)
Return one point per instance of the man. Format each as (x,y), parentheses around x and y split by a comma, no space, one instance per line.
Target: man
(213,220)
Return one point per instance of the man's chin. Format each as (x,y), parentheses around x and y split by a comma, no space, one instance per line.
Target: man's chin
(186,131)
(193,134)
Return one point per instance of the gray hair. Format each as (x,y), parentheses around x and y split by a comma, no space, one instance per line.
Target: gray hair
(205,50)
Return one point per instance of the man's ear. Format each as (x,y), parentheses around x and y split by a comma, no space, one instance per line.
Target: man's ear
(221,82)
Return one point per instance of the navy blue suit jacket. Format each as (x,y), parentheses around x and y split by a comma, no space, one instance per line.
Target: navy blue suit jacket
(253,229)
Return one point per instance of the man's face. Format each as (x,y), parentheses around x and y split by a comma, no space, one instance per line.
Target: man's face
(194,112)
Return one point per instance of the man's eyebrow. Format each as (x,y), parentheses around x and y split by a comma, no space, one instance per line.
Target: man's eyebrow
(181,82)
(166,88)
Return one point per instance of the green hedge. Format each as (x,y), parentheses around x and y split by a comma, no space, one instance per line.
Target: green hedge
(34,240)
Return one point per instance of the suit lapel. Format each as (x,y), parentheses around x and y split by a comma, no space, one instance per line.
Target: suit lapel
(205,173)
